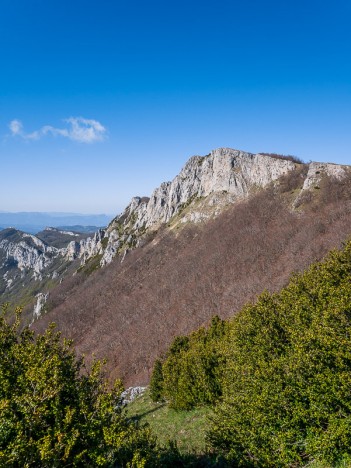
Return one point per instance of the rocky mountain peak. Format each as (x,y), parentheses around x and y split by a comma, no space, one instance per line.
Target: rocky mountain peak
(222,177)
(223,170)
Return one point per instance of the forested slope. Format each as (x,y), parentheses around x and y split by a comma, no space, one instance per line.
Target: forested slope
(129,312)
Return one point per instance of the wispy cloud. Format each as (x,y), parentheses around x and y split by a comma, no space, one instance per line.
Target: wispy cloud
(16,127)
(76,129)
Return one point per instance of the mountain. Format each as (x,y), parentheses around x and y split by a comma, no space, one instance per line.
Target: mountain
(203,188)
(229,226)
(34,222)
(60,238)
(30,265)
(78,228)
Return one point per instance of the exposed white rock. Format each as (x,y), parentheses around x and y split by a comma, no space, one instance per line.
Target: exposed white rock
(124,255)
(7,280)
(28,257)
(317,170)
(41,300)
(223,170)
(195,217)
(91,246)
(221,178)
(111,248)
(131,393)
(315,174)
(86,248)
(38,242)
(72,251)
(67,233)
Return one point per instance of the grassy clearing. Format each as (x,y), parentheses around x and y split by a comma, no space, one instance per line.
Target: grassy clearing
(187,428)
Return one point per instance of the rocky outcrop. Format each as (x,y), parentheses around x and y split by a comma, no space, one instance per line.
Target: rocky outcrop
(316,171)
(86,248)
(38,308)
(223,170)
(131,393)
(66,233)
(35,256)
(28,265)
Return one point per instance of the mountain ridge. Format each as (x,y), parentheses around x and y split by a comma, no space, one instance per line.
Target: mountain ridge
(224,176)
(182,273)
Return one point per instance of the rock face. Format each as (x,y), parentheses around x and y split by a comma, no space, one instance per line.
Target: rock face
(41,300)
(224,171)
(316,171)
(33,255)
(29,265)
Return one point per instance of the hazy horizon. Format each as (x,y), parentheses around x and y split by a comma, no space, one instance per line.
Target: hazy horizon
(59,213)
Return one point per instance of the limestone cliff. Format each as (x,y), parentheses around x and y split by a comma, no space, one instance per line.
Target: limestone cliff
(205,185)
(222,177)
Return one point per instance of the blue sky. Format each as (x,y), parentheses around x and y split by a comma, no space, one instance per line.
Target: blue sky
(101,101)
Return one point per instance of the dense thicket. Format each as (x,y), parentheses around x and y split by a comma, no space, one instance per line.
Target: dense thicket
(285,373)
(130,312)
(191,372)
(55,413)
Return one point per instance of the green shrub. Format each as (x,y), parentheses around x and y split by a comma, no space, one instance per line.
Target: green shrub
(53,412)
(287,399)
(192,368)
(156,382)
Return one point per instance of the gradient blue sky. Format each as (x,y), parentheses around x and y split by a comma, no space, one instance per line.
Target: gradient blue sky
(165,80)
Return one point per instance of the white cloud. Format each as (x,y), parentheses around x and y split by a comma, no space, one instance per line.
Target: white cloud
(77,129)
(85,130)
(16,127)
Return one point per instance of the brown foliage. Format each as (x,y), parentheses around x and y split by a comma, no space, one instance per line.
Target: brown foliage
(130,312)
(288,157)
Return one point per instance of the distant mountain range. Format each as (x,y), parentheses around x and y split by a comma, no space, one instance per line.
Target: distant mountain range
(34,222)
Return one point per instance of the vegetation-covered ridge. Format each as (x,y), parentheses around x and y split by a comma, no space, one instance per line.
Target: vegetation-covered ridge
(278,374)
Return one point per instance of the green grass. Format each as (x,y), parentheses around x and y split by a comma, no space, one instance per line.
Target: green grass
(186,428)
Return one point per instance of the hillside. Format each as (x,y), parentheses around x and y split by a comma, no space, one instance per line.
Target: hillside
(60,238)
(183,272)
(275,379)
(269,387)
